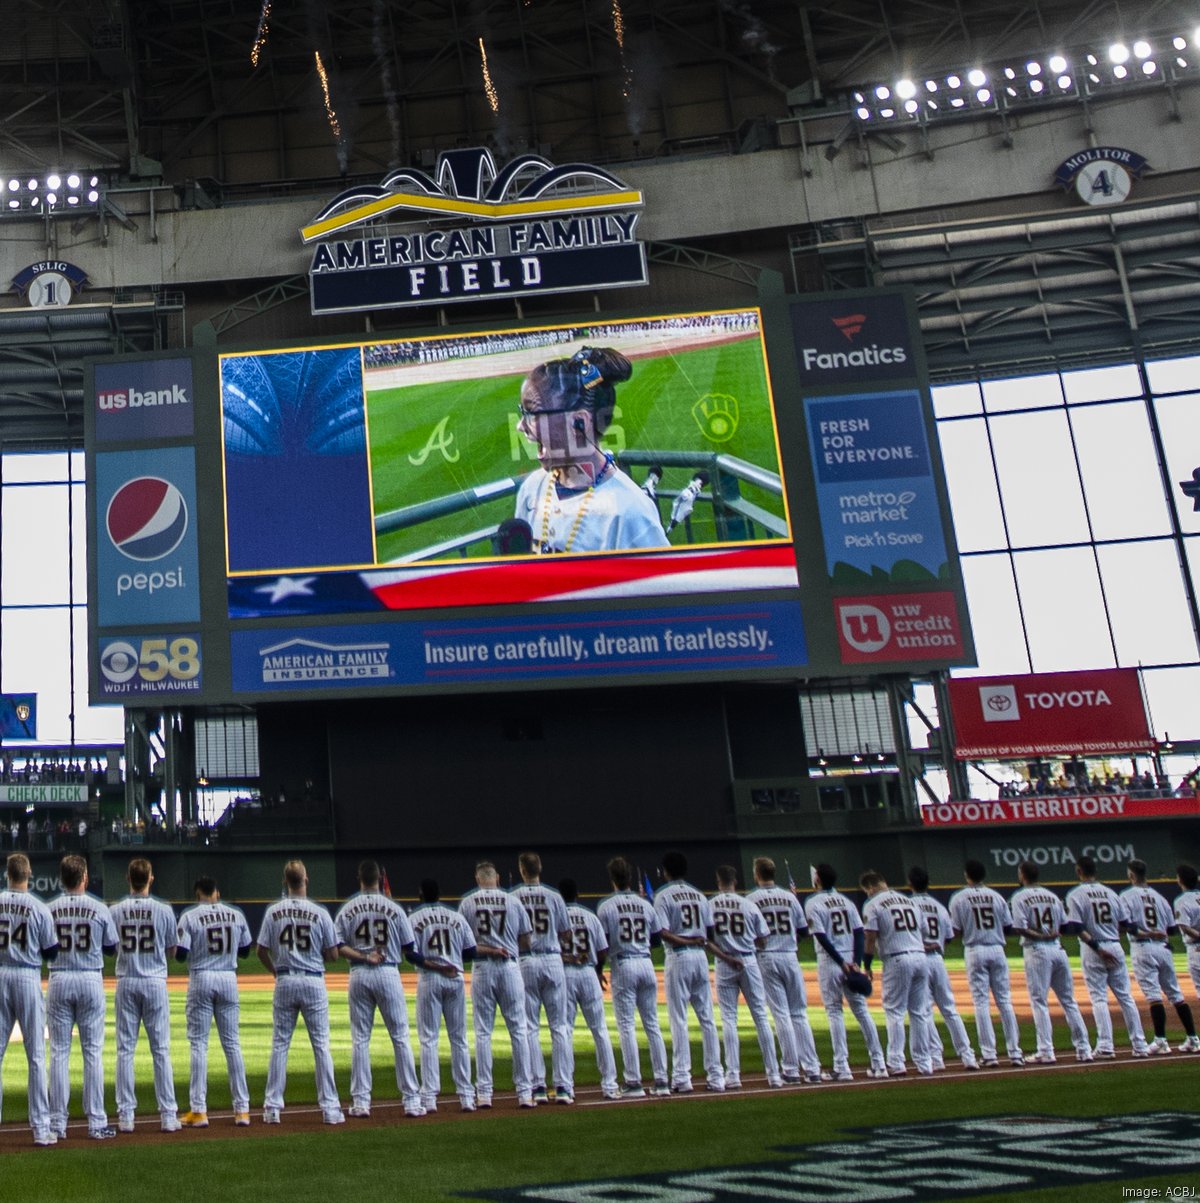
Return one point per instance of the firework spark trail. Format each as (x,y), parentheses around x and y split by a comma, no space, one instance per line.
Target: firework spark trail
(333,119)
(264,31)
(618,18)
(493,96)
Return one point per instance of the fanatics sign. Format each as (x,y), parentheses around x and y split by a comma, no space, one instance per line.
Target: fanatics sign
(1055,809)
(1038,714)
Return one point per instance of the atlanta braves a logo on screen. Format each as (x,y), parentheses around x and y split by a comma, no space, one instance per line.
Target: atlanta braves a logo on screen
(535,228)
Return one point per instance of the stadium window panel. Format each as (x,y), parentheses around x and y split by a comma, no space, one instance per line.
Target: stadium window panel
(1102,384)
(1147,606)
(36,661)
(974,497)
(957,400)
(39,467)
(93,724)
(1173,375)
(1179,424)
(1039,484)
(34,541)
(1022,392)
(1192,549)
(995,616)
(1171,695)
(78,537)
(1120,471)
(1064,610)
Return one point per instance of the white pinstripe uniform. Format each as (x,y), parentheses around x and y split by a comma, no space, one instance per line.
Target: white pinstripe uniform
(834,916)
(546,986)
(1047,968)
(1153,965)
(145,936)
(588,942)
(981,915)
(936,928)
(214,934)
(75,997)
(496,918)
(1099,912)
(371,922)
(443,935)
(629,921)
(898,941)
(783,982)
(737,926)
(296,932)
(684,911)
(1187,911)
(26,932)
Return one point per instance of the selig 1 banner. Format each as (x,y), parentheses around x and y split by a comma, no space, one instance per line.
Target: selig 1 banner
(1044,714)
(1055,809)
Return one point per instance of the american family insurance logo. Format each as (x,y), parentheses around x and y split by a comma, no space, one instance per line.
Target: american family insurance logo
(898,626)
(144,399)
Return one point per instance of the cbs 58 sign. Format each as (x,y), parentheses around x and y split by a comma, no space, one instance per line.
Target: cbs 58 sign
(149,664)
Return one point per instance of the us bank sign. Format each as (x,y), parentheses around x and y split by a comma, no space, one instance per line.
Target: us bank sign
(527,229)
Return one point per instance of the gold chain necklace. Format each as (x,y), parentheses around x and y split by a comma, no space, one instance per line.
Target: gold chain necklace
(583,505)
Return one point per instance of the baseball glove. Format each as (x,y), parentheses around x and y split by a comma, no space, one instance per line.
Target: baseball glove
(858,983)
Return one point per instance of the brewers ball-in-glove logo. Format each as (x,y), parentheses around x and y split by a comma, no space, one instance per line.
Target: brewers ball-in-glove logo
(147,518)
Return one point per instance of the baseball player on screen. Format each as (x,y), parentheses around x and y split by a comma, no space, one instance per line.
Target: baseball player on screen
(982,918)
(687,930)
(632,928)
(739,932)
(1151,923)
(1095,914)
(583,968)
(501,930)
(783,983)
(544,980)
(145,942)
(1038,917)
(211,936)
(936,927)
(837,929)
(444,943)
(1187,915)
(370,922)
(295,941)
(75,997)
(893,930)
(27,937)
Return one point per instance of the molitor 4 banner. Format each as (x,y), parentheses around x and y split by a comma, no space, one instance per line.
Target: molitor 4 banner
(525,229)
(1101,710)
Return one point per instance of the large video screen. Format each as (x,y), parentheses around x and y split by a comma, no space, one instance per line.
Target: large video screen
(618,458)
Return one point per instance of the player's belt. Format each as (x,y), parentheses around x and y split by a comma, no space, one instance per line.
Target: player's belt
(905,952)
(631,956)
(74,969)
(534,953)
(372,965)
(299,973)
(6,968)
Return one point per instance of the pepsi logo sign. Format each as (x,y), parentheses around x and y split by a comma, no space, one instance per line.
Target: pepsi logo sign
(147,518)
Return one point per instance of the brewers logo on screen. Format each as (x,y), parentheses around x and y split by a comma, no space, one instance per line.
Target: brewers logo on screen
(149,664)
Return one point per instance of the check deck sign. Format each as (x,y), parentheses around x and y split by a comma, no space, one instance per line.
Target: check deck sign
(919,1162)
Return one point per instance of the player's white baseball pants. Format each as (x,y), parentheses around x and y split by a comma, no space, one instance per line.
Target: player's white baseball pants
(906,991)
(1099,976)
(1193,964)
(941,994)
(987,976)
(214,995)
(748,982)
(687,983)
(545,986)
(834,995)
(372,987)
(143,1000)
(1154,969)
(76,997)
(21,1002)
(1046,969)
(438,996)
(584,993)
(635,988)
(495,984)
(787,999)
(299,994)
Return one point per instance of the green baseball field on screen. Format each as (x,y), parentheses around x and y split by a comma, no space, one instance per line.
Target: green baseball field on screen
(436,438)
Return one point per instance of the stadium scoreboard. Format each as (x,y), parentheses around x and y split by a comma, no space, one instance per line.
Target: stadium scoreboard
(343,519)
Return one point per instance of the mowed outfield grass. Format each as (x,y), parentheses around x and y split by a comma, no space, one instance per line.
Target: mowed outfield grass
(654,413)
(416,1160)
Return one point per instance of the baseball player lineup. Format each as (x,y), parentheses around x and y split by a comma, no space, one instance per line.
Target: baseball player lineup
(535,948)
